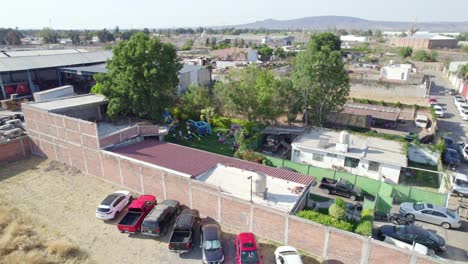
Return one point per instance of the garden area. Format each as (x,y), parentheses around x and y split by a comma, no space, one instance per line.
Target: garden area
(337,213)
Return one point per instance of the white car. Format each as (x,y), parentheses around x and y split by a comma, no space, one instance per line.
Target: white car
(421,121)
(463,149)
(287,255)
(458,100)
(438,110)
(113,204)
(463,108)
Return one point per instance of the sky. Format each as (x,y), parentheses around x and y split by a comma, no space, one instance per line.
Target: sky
(137,14)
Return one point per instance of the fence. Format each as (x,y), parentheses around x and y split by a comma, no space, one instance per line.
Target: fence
(385,194)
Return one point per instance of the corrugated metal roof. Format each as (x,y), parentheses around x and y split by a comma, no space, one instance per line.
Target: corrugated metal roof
(195,162)
(190,68)
(376,111)
(98,68)
(51,61)
(27,53)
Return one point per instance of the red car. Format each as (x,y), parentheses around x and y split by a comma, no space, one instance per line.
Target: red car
(246,249)
(136,213)
(432,101)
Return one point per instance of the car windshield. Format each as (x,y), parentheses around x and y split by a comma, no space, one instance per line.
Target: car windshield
(461,183)
(149,223)
(418,206)
(451,213)
(421,121)
(249,256)
(103,210)
(212,245)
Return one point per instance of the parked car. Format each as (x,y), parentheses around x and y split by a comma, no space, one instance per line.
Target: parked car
(353,212)
(451,157)
(453,92)
(287,255)
(341,187)
(410,136)
(211,244)
(246,249)
(159,220)
(463,109)
(181,240)
(431,213)
(438,110)
(459,184)
(432,101)
(463,149)
(458,99)
(449,143)
(113,204)
(413,234)
(136,213)
(421,121)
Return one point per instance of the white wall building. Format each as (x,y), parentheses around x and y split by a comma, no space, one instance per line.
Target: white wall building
(353,38)
(375,158)
(193,74)
(396,72)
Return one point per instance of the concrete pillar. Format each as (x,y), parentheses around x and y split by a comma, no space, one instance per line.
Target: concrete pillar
(30,82)
(3,87)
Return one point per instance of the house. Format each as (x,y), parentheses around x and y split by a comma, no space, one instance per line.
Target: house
(380,116)
(231,57)
(425,41)
(396,72)
(193,74)
(352,38)
(371,157)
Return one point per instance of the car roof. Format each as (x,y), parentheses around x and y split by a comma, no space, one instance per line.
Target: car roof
(247,241)
(158,212)
(140,201)
(210,231)
(413,229)
(172,203)
(461,176)
(421,117)
(110,199)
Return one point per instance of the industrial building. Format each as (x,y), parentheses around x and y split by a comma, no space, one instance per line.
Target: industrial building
(425,41)
(26,72)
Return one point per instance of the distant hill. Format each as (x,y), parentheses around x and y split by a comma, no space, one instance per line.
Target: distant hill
(349,23)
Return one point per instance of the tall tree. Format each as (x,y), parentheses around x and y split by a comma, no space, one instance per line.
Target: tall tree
(463,72)
(195,99)
(142,77)
(13,37)
(105,36)
(319,74)
(48,35)
(74,36)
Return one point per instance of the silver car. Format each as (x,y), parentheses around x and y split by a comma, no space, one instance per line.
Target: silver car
(431,213)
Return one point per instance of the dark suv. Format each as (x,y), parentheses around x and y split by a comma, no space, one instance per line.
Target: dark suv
(158,221)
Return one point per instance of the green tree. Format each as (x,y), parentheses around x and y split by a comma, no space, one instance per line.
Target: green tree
(146,31)
(116,32)
(280,53)
(207,42)
(320,75)
(105,36)
(188,44)
(48,35)
(405,51)
(142,77)
(265,51)
(74,36)
(422,55)
(213,42)
(194,100)
(463,72)
(13,37)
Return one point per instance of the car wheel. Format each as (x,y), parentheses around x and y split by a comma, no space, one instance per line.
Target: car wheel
(430,252)
(445,225)
(326,191)
(353,197)
(410,217)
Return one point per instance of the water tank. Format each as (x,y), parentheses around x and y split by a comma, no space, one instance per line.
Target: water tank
(259,184)
(344,137)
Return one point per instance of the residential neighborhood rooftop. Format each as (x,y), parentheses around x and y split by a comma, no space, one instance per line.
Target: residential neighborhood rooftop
(370,148)
(281,194)
(194,162)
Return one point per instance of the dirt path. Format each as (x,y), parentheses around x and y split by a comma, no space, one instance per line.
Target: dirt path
(65,200)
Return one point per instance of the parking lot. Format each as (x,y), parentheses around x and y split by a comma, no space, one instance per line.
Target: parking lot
(64,200)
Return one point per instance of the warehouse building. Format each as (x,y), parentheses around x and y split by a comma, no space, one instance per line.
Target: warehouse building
(426,41)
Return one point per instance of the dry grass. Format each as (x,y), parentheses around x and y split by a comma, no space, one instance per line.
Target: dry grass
(21,242)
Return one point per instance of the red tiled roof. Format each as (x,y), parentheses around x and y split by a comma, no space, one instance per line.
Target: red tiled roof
(194,162)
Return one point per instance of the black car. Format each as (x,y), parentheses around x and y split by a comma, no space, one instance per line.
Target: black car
(211,243)
(159,220)
(449,144)
(411,233)
(341,187)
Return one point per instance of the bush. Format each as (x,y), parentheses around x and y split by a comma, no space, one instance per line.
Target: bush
(226,122)
(61,248)
(405,52)
(364,227)
(340,203)
(252,156)
(337,212)
(325,220)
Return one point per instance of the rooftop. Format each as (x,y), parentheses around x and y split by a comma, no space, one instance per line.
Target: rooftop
(369,148)
(22,63)
(428,36)
(70,102)
(90,70)
(376,111)
(281,194)
(194,162)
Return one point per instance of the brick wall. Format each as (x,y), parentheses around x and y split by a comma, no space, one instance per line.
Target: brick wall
(15,149)
(75,142)
(128,133)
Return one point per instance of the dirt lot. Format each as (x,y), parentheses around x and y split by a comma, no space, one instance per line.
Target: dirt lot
(64,200)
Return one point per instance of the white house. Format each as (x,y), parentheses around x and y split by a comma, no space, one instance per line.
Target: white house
(371,157)
(352,38)
(396,72)
(193,74)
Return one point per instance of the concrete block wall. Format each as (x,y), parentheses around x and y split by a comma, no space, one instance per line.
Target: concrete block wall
(128,133)
(71,141)
(15,149)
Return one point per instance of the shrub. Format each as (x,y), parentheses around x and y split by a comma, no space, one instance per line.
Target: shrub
(226,122)
(367,214)
(31,257)
(61,248)
(325,220)
(364,227)
(340,203)
(337,212)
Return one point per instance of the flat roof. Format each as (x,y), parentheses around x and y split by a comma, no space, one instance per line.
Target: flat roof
(87,70)
(278,130)
(369,148)
(23,63)
(376,111)
(281,194)
(195,162)
(70,102)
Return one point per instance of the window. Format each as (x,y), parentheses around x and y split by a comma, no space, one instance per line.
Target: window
(402,75)
(317,157)
(118,201)
(297,153)
(351,162)
(439,214)
(428,212)
(373,166)
(331,155)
